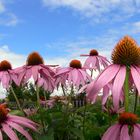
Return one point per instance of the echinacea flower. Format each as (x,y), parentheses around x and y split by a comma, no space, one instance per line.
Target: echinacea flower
(42,74)
(127,128)
(7,75)
(74,74)
(10,123)
(94,60)
(126,60)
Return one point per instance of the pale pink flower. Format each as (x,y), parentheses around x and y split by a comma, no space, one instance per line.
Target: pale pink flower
(42,74)
(7,75)
(126,129)
(30,111)
(74,74)
(95,61)
(116,73)
(10,123)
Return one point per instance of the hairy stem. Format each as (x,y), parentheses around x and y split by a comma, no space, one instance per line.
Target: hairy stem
(126,88)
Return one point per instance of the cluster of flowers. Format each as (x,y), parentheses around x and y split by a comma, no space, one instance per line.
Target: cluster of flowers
(117,78)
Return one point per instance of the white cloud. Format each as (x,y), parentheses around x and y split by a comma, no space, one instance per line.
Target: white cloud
(99,10)
(15,59)
(9,20)
(2,6)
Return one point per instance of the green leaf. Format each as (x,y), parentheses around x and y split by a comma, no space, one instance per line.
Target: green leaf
(78,133)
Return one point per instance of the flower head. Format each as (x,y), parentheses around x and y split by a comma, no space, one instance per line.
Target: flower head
(10,123)
(74,74)
(125,56)
(128,118)
(5,65)
(42,74)
(94,60)
(75,64)
(7,74)
(126,52)
(34,58)
(127,128)
(93,52)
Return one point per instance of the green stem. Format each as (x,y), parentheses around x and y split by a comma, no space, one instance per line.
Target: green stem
(63,90)
(126,88)
(136,101)
(17,101)
(37,94)
(84,119)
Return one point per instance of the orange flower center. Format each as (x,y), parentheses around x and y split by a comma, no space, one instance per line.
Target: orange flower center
(128,118)
(93,53)
(5,65)
(3,113)
(126,52)
(34,59)
(75,64)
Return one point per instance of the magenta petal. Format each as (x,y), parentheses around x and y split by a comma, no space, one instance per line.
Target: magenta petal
(136,78)
(9,132)
(104,78)
(118,85)
(20,129)
(112,133)
(124,133)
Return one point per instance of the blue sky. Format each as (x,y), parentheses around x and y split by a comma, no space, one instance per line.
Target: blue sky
(60,30)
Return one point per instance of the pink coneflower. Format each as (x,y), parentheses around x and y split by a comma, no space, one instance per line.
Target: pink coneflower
(42,74)
(7,75)
(126,60)
(74,74)
(126,129)
(10,123)
(94,60)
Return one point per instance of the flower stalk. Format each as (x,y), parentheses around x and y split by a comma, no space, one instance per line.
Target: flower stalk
(126,90)
(17,101)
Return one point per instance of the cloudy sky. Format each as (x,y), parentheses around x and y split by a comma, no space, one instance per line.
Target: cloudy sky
(61,30)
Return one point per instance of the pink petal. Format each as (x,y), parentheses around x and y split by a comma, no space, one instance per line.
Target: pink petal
(118,85)
(103,79)
(98,64)
(35,72)
(62,71)
(14,117)
(136,78)
(20,129)
(105,94)
(124,133)
(136,132)
(9,132)
(74,74)
(112,133)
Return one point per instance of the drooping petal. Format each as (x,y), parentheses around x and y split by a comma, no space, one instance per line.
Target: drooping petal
(118,85)
(103,79)
(112,133)
(15,118)
(9,132)
(136,78)
(35,72)
(20,129)
(1,137)
(136,132)
(105,94)
(124,133)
